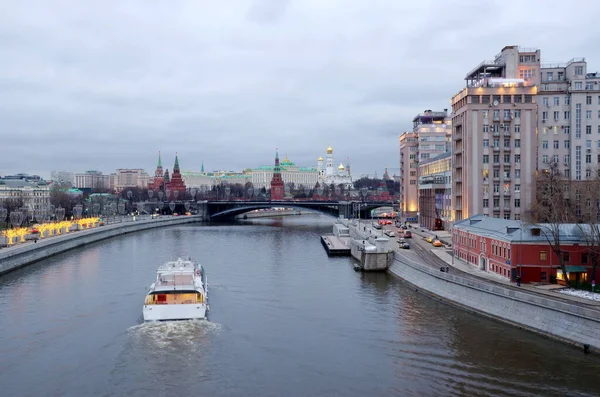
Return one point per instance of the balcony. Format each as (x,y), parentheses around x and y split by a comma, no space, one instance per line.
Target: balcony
(497,209)
(507,192)
(506,179)
(456,136)
(507,117)
(507,148)
(496,118)
(496,133)
(506,133)
(507,164)
(496,148)
(496,179)
(507,209)
(496,165)
(496,193)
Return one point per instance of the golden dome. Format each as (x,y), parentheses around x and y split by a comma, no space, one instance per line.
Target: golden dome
(329,150)
(341,167)
(320,159)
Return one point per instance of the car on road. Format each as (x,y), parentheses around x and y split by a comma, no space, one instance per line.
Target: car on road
(437,243)
(429,239)
(407,234)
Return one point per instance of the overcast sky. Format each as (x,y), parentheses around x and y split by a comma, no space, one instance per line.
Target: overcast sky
(107,84)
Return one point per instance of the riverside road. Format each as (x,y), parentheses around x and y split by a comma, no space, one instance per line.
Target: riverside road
(285,320)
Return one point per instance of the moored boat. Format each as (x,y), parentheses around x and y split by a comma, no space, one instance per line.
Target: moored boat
(179,292)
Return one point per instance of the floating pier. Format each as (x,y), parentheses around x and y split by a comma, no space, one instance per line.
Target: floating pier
(336,246)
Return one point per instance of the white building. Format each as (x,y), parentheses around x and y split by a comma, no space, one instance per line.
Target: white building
(290,173)
(92,180)
(569,119)
(125,178)
(34,195)
(329,174)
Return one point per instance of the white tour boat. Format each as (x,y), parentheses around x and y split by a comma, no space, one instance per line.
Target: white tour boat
(179,292)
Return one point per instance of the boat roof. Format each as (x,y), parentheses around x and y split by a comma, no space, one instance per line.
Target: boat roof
(179,265)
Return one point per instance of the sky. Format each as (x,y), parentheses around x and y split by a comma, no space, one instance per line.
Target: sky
(107,84)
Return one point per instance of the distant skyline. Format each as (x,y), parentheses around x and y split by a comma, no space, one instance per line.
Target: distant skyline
(106,84)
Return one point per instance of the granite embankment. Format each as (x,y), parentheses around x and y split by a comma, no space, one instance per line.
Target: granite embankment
(573,323)
(21,255)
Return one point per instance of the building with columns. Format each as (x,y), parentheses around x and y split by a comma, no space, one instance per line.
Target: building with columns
(290,173)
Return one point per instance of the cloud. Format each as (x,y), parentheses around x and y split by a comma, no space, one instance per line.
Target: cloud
(106,85)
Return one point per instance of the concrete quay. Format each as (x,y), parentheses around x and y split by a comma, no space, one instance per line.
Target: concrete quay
(20,255)
(570,319)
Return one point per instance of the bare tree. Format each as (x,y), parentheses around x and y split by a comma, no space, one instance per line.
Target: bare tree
(589,216)
(552,209)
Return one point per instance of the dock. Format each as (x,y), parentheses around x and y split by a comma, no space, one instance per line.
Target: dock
(336,246)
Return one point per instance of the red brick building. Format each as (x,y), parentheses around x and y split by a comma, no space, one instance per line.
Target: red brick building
(165,182)
(511,248)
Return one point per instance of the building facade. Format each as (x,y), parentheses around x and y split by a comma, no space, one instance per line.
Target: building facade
(429,138)
(494,136)
(569,119)
(290,173)
(32,195)
(125,178)
(92,180)
(409,195)
(435,192)
(512,248)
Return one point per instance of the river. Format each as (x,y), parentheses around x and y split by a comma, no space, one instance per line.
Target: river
(285,320)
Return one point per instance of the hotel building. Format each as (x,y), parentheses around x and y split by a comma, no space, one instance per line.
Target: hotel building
(494,140)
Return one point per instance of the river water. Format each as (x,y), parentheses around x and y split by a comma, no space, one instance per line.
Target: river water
(285,320)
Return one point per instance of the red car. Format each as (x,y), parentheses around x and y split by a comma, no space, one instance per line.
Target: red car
(407,234)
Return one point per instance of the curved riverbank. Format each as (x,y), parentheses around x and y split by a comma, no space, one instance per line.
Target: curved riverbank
(569,322)
(21,255)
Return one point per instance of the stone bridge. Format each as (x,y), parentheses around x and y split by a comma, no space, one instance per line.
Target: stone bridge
(222,210)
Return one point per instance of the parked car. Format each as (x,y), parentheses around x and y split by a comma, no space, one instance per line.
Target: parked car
(405,245)
(390,233)
(437,243)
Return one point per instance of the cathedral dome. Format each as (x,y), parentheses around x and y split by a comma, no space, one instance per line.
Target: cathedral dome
(341,167)
(329,150)
(320,159)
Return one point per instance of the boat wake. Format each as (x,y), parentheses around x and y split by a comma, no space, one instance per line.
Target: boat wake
(174,334)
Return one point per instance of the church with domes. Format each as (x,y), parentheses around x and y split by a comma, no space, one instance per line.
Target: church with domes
(329,174)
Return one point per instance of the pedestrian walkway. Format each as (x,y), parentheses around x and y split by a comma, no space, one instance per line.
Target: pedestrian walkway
(465,267)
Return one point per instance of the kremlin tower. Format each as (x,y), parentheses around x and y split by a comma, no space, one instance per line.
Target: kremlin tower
(157,182)
(276,182)
(176,182)
(163,181)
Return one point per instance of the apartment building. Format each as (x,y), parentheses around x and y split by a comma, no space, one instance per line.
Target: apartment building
(494,141)
(569,119)
(428,139)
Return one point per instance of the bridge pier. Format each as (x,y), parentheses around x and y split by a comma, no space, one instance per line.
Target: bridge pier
(203,209)
(346,209)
